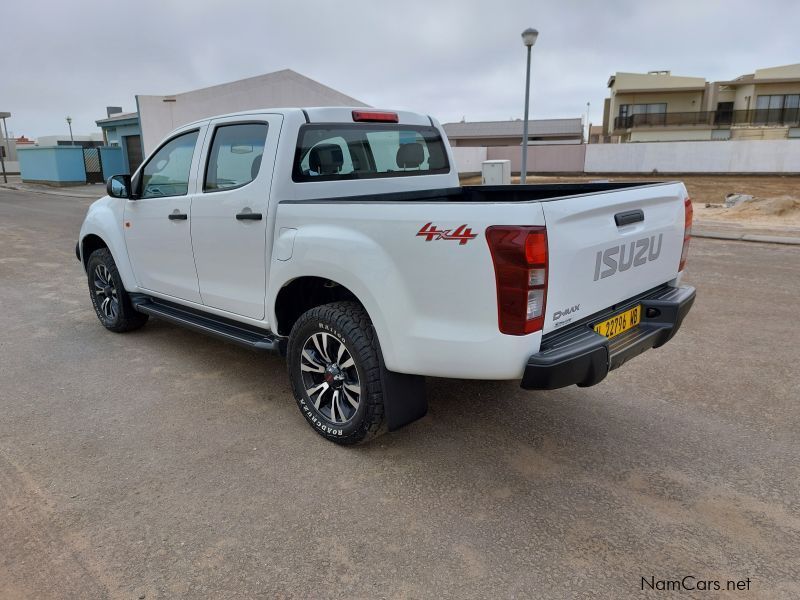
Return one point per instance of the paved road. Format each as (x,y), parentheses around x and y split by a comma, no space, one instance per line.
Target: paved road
(165,464)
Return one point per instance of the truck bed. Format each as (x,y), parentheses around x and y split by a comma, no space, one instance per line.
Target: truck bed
(542,192)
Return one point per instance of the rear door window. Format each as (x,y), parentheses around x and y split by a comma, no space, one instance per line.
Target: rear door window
(235,156)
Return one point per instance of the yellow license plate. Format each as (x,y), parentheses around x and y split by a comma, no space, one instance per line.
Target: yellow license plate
(620,323)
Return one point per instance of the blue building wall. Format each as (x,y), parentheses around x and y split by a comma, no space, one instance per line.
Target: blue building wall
(58,165)
(116,132)
(113,161)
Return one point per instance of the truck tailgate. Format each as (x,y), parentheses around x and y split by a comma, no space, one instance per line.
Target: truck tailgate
(594,262)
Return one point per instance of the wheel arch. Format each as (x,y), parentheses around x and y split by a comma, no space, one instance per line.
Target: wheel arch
(103,228)
(301,294)
(90,243)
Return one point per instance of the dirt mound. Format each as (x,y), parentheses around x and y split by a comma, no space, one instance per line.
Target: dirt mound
(758,208)
(774,211)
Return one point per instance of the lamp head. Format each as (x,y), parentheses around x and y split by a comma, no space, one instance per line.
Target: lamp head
(529,37)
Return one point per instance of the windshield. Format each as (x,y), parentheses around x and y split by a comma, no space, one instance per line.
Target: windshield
(330,152)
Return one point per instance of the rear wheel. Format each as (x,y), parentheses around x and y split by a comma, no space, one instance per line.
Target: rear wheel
(111,302)
(334,368)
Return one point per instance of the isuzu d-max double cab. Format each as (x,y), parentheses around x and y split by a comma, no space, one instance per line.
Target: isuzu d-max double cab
(341,238)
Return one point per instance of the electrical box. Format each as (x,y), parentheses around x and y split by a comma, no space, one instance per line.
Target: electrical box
(496,172)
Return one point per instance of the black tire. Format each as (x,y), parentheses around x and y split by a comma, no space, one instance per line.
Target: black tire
(111,302)
(335,417)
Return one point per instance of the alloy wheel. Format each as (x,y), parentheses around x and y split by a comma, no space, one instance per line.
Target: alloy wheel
(330,377)
(105,292)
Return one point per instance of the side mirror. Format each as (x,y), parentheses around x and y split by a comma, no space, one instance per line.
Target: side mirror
(119,186)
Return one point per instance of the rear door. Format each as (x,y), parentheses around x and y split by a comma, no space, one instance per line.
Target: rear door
(229,213)
(607,247)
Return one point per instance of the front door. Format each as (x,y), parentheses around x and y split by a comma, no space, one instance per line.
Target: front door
(229,213)
(157,224)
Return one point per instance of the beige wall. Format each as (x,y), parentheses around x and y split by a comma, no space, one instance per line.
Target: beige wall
(676,101)
(777,88)
(680,100)
(641,81)
(774,156)
(542,159)
(474,142)
(761,89)
(784,72)
(742,93)
(669,135)
(759,133)
(728,95)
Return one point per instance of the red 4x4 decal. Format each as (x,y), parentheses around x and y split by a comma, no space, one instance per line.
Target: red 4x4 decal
(463,233)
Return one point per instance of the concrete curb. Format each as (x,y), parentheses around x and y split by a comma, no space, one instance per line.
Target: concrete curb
(24,188)
(748,237)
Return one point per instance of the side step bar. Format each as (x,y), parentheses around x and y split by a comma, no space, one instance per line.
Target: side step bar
(205,323)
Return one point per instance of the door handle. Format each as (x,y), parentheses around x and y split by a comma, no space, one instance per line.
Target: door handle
(249,216)
(626,218)
(176,216)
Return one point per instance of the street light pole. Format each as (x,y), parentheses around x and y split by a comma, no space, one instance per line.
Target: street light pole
(529,39)
(4,116)
(588,125)
(71,139)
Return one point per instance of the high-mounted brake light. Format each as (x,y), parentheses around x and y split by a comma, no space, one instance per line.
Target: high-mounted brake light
(374,115)
(688,212)
(519,255)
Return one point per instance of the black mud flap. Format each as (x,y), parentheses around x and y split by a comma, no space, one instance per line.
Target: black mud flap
(404,397)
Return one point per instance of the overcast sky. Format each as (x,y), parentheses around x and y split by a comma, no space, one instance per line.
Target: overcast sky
(451,59)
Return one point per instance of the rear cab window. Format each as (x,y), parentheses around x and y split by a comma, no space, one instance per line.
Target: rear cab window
(344,151)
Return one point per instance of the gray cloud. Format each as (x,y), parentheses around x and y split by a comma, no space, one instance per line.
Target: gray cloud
(446,58)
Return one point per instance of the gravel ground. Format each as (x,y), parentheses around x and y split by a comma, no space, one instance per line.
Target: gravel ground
(163,464)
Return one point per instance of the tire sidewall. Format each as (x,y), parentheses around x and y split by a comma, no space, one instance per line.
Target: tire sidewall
(103,257)
(305,328)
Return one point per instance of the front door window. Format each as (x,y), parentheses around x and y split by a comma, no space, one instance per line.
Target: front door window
(167,172)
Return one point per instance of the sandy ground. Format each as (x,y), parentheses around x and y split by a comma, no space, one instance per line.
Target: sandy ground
(776,202)
(166,464)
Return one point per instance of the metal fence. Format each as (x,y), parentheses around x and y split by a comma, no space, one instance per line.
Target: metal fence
(93,164)
(712,118)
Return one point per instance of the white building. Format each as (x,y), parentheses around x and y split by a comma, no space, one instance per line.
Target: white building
(63,139)
(158,115)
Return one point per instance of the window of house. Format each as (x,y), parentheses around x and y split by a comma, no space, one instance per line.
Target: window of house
(235,156)
(777,108)
(167,172)
(641,109)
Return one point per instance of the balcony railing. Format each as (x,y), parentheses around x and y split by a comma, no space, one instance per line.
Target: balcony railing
(712,118)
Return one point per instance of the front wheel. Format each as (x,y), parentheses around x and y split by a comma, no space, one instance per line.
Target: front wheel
(109,298)
(334,368)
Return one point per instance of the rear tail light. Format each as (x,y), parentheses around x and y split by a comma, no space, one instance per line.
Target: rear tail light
(374,115)
(687,231)
(519,255)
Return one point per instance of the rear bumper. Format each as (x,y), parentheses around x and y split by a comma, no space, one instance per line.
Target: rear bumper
(582,357)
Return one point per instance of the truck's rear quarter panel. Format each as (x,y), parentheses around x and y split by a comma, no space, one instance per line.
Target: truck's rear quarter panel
(433,302)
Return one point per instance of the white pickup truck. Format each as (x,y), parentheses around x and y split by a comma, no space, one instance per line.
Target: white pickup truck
(341,238)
